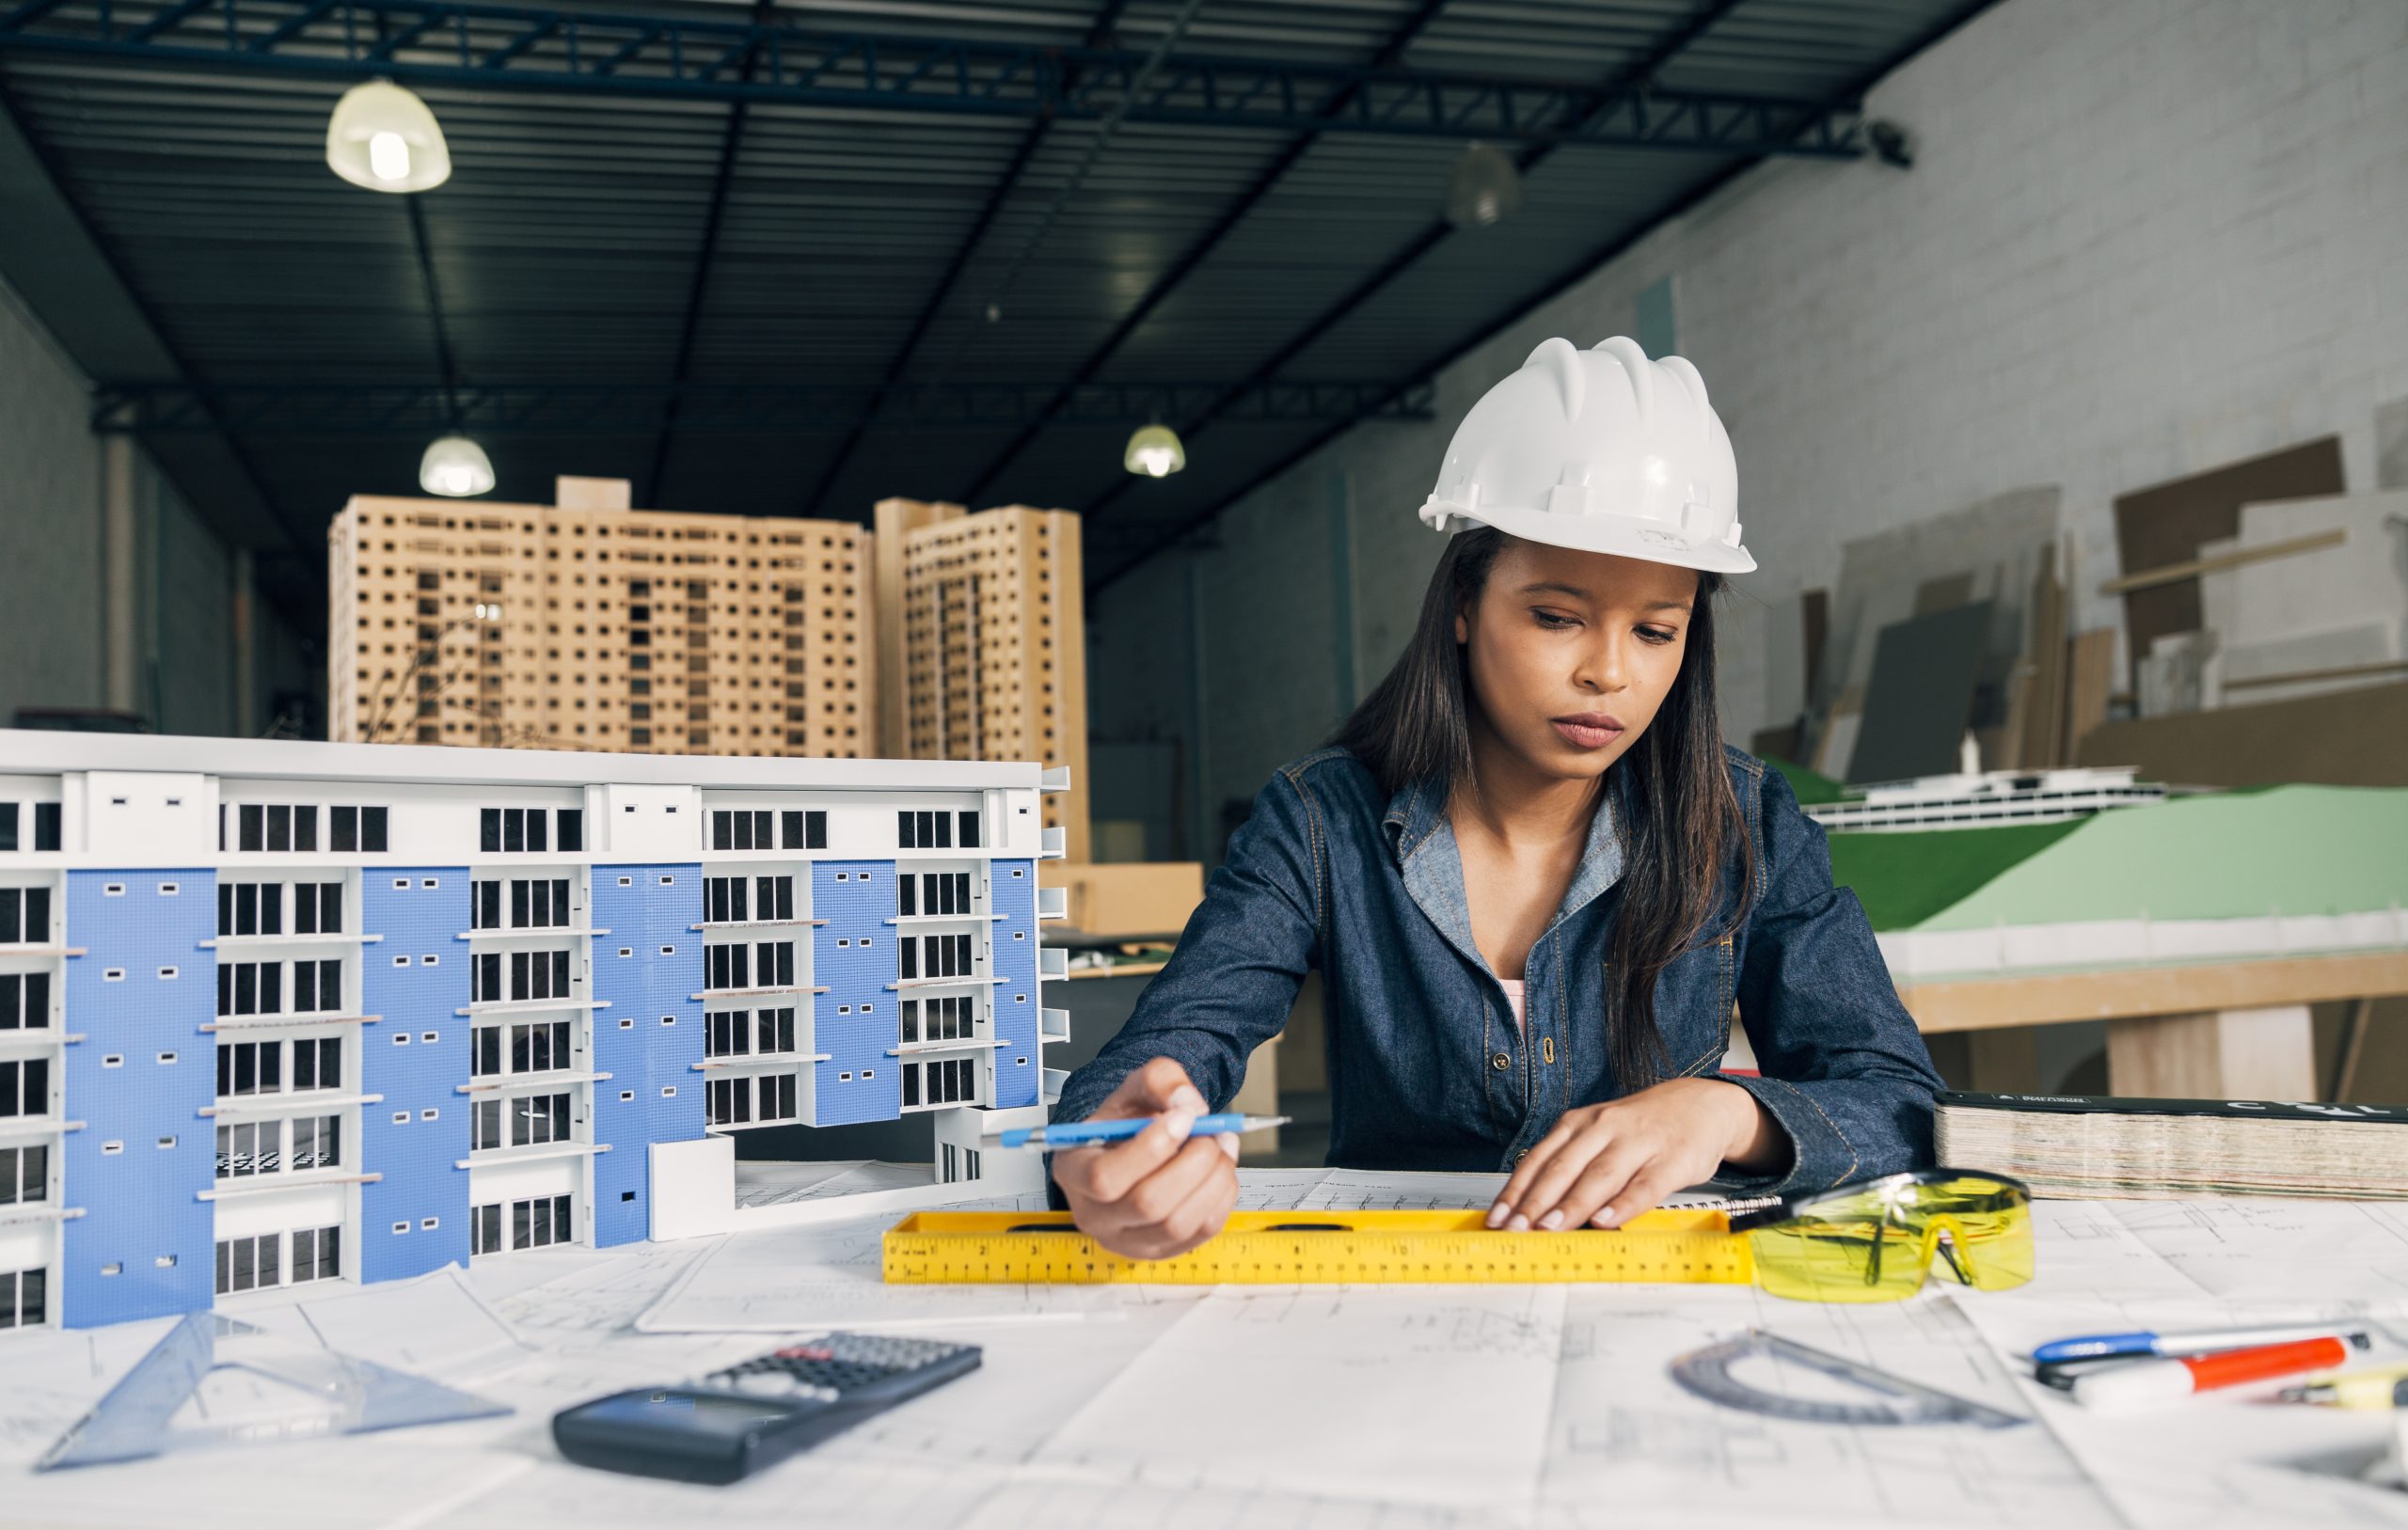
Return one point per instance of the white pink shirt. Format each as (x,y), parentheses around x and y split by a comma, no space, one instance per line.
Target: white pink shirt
(1514,996)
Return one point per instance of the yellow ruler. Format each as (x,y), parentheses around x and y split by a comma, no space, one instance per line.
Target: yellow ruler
(1281,1248)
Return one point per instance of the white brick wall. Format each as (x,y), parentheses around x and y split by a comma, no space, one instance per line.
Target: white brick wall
(50,525)
(2140,239)
(53,572)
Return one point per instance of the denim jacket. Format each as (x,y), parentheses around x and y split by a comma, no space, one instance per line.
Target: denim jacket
(1426,1069)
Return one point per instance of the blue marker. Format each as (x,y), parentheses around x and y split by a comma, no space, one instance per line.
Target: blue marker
(2197,1342)
(1081,1133)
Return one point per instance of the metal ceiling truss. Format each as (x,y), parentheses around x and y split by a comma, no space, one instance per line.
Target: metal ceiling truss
(486,47)
(1639,76)
(722,408)
(1390,54)
(1147,536)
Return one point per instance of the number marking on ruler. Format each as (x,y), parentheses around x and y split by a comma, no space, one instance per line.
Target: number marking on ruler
(1264,1248)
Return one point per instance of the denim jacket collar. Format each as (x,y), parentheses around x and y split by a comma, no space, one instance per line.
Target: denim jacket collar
(1422,838)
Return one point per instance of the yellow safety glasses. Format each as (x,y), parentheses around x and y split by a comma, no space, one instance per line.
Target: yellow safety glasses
(1873,1241)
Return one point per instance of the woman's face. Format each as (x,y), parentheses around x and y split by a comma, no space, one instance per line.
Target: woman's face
(1570,653)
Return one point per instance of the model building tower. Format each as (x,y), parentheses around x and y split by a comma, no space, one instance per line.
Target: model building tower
(982,628)
(590,626)
(275,1011)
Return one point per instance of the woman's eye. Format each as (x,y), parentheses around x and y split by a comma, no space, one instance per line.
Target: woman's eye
(1553,623)
(1657,635)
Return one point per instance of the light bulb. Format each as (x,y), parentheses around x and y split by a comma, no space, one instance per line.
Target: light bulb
(455,467)
(383,137)
(388,156)
(1154,451)
(1484,188)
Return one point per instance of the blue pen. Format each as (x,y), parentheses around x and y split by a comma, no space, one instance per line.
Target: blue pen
(1079,1133)
(2195,1342)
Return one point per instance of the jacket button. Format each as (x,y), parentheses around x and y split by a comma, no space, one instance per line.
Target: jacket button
(1520,1156)
(1500,1062)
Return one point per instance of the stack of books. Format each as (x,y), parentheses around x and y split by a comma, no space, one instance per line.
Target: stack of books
(2169,1149)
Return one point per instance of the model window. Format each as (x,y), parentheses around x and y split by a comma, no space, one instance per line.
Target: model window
(357,829)
(24,915)
(924,830)
(25,1001)
(317,908)
(538,1118)
(45,837)
(24,1174)
(520,904)
(804,830)
(741,828)
(516,830)
(276,825)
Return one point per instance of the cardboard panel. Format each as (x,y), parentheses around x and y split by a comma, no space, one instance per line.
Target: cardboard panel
(1921,700)
(2346,738)
(2166,523)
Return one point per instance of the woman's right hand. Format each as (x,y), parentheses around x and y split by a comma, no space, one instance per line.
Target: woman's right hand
(1161,1193)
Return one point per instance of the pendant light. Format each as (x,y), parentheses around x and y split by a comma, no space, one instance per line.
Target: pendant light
(1154,451)
(455,467)
(383,139)
(1485,188)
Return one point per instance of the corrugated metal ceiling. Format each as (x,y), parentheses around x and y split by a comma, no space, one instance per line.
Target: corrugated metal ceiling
(567,246)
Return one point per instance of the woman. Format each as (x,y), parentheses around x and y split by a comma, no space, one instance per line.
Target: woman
(1533,878)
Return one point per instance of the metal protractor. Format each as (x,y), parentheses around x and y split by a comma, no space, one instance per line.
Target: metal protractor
(1891,1399)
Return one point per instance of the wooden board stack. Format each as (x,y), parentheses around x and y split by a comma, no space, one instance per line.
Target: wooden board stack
(2169,1149)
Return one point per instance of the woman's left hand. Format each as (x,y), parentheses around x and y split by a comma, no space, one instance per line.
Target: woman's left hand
(1607,1164)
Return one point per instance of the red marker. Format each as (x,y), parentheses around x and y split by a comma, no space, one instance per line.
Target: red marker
(2146,1383)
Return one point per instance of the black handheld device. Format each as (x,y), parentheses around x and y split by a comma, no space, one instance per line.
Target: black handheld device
(732,1423)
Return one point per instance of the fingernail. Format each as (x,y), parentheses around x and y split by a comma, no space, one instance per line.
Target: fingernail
(1185,1099)
(1551,1222)
(1498,1213)
(1179,1124)
(1519,1225)
(1229,1141)
(1606,1217)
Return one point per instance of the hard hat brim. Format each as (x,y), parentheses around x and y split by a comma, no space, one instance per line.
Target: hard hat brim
(1624,536)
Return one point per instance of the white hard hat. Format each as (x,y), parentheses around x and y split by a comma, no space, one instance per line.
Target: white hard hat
(1603,451)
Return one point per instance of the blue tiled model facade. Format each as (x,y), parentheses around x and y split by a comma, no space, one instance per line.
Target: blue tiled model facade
(855,1020)
(141,1082)
(1013,897)
(414,1218)
(362,1028)
(649,910)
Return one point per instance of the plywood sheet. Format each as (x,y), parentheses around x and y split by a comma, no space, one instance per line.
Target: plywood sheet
(2347,739)
(2166,523)
(1920,699)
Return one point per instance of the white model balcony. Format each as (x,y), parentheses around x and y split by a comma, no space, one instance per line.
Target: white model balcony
(1053,843)
(1052,903)
(1053,964)
(1053,1025)
(1055,780)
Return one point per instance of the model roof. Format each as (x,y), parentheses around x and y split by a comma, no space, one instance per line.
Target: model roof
(45,752)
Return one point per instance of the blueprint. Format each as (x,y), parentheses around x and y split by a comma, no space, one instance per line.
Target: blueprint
(1322,1408)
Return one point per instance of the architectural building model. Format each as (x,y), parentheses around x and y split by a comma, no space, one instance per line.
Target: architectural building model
(280,1012)
(1987,799)
(982,637)
(590,626)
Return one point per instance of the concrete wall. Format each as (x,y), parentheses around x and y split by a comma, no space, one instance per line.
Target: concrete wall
(53,586)
(50,524)
(2139,240)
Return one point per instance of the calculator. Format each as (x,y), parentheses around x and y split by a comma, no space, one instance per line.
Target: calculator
(732,1423)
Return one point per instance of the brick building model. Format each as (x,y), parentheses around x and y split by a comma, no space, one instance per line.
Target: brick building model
(982,638)
(591,626)
(278,1012)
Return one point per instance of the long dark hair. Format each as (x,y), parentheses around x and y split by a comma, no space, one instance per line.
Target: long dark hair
(1681,814)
